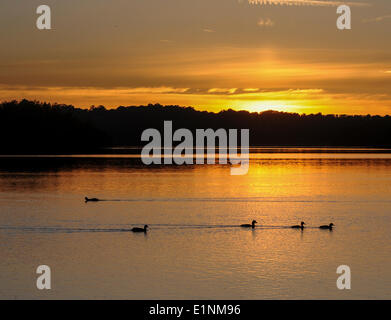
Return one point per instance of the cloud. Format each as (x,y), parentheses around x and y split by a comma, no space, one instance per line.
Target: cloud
(253,92)
(265,22)
(222,90)
(321,3)
(208,30)
(377,19)
(299,99)
(97,90)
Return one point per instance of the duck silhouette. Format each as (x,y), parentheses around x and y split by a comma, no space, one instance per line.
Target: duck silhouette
(91,199)
(140,229)
(328,227)
(252,225)
(301,226)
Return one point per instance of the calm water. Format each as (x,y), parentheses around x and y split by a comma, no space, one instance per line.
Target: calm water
(194,249)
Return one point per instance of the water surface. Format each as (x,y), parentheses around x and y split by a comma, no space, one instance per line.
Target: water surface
(195,249)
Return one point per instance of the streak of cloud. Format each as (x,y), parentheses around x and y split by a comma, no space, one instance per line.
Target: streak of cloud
(377,19)
(265,22)
(322,3)
(222,90)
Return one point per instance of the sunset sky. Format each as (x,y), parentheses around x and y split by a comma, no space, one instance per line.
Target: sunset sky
(209,54)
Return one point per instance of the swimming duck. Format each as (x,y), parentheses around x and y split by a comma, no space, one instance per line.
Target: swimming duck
(301,226)
(140,229)
(91,199)
(252,225)
(329,227)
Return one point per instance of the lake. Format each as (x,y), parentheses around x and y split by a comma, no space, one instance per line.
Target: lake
(195,248)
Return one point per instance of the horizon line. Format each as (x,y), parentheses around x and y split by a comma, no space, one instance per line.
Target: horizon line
(192,107)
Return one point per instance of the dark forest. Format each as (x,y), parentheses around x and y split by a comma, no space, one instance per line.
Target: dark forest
(35,127)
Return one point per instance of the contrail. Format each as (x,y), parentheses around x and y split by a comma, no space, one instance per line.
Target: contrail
(322,3)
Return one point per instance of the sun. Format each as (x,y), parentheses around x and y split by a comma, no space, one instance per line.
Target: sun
(264,105)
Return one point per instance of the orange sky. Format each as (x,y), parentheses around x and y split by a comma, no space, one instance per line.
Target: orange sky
(210,54)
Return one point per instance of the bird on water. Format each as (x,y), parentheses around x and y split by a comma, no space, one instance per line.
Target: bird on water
(140,229)
(91,199)
(329,227)
(252,225)
(301,226)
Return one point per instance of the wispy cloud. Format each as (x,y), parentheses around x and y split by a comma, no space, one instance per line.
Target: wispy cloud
(250,91)
(222,90)
(265,22)
(208,30)
(377,19)
(322,3)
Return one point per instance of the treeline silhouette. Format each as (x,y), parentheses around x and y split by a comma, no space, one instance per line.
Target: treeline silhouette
(35,127)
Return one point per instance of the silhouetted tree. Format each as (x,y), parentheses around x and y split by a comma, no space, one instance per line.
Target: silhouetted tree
(35,127)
